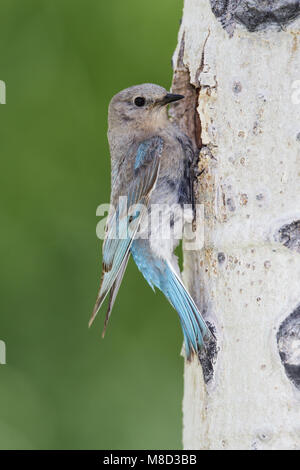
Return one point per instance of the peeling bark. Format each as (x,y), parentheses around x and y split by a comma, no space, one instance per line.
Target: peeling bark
(185,113)
(240,115)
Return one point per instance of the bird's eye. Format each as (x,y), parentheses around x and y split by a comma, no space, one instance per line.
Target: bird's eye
(139,101)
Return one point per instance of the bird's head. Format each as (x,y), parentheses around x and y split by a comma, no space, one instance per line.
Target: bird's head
(140,105)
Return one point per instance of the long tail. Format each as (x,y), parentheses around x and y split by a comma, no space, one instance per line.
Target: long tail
(193,326)
(160,273)
(114,291)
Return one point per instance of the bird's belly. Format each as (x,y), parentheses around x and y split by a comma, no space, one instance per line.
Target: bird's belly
(164,221)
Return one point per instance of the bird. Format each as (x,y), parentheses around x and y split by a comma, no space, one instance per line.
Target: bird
(151,160)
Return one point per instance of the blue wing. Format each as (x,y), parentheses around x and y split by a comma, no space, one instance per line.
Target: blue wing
(116,246)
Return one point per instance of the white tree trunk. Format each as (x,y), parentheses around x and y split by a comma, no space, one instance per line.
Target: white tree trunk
(239,69)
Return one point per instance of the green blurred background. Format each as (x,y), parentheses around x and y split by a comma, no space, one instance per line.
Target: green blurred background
(63,387)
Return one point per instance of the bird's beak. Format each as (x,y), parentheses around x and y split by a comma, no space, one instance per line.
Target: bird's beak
(170,97)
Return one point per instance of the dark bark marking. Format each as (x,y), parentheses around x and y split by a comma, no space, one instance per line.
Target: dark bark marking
(208,355)
(230,204)
(237,87)
(289,235)
(288,341)
(255,15)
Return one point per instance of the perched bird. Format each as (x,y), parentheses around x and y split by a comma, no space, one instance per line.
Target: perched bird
(150,166)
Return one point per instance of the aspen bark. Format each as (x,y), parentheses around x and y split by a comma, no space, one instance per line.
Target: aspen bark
(238,64)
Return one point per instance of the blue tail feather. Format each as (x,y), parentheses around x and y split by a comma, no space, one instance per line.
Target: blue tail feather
(194,327)
(161,274)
